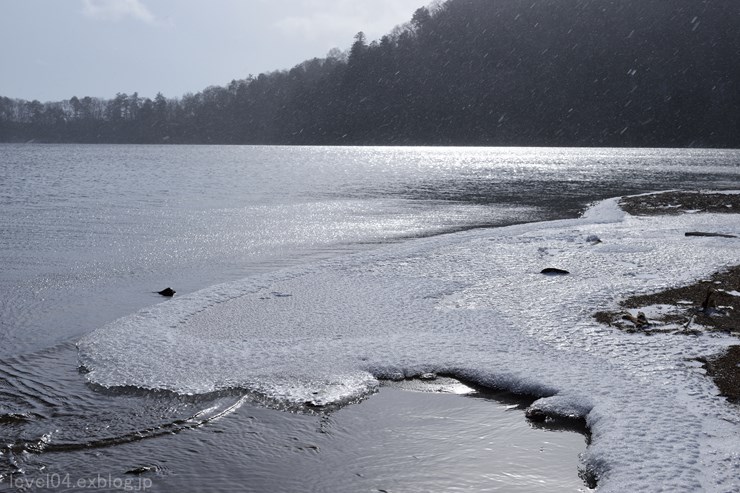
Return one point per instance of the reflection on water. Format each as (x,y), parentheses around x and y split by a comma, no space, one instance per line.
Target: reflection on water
(396,440)
(88,232)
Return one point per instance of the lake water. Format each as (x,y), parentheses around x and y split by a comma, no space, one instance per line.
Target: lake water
(89,233)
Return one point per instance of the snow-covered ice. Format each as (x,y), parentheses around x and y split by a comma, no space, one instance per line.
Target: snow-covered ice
(473,305)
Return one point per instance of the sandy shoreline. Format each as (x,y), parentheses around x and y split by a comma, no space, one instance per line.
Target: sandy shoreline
(708,305)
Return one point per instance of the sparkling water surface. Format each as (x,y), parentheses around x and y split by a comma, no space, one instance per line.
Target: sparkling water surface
(89,233)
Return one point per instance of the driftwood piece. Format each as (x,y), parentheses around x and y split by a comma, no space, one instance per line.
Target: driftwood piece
(708,302)
(701,233)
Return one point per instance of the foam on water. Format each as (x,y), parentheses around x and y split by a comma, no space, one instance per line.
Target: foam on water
(473,305)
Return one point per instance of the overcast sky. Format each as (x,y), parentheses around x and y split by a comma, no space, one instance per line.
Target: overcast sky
(56,49)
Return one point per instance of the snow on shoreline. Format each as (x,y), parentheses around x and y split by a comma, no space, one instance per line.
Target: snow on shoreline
(475,306)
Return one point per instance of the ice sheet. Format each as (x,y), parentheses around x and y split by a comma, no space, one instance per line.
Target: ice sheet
(473,305)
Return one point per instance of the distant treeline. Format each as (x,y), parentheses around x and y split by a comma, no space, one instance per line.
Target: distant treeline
(461,72)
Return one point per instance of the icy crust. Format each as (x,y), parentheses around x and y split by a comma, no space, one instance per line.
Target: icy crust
(473,305)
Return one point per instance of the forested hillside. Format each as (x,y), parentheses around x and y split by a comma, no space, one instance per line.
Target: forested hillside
(462,72)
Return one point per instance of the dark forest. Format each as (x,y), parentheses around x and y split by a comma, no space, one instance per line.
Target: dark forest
(651,73)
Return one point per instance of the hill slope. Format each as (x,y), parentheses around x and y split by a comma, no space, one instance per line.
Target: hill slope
(465,72)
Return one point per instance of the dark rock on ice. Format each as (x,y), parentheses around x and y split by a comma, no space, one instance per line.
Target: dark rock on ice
(167,292)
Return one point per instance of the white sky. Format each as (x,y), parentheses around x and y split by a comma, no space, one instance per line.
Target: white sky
(56,49)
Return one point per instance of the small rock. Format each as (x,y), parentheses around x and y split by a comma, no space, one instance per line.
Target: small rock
(167,292)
